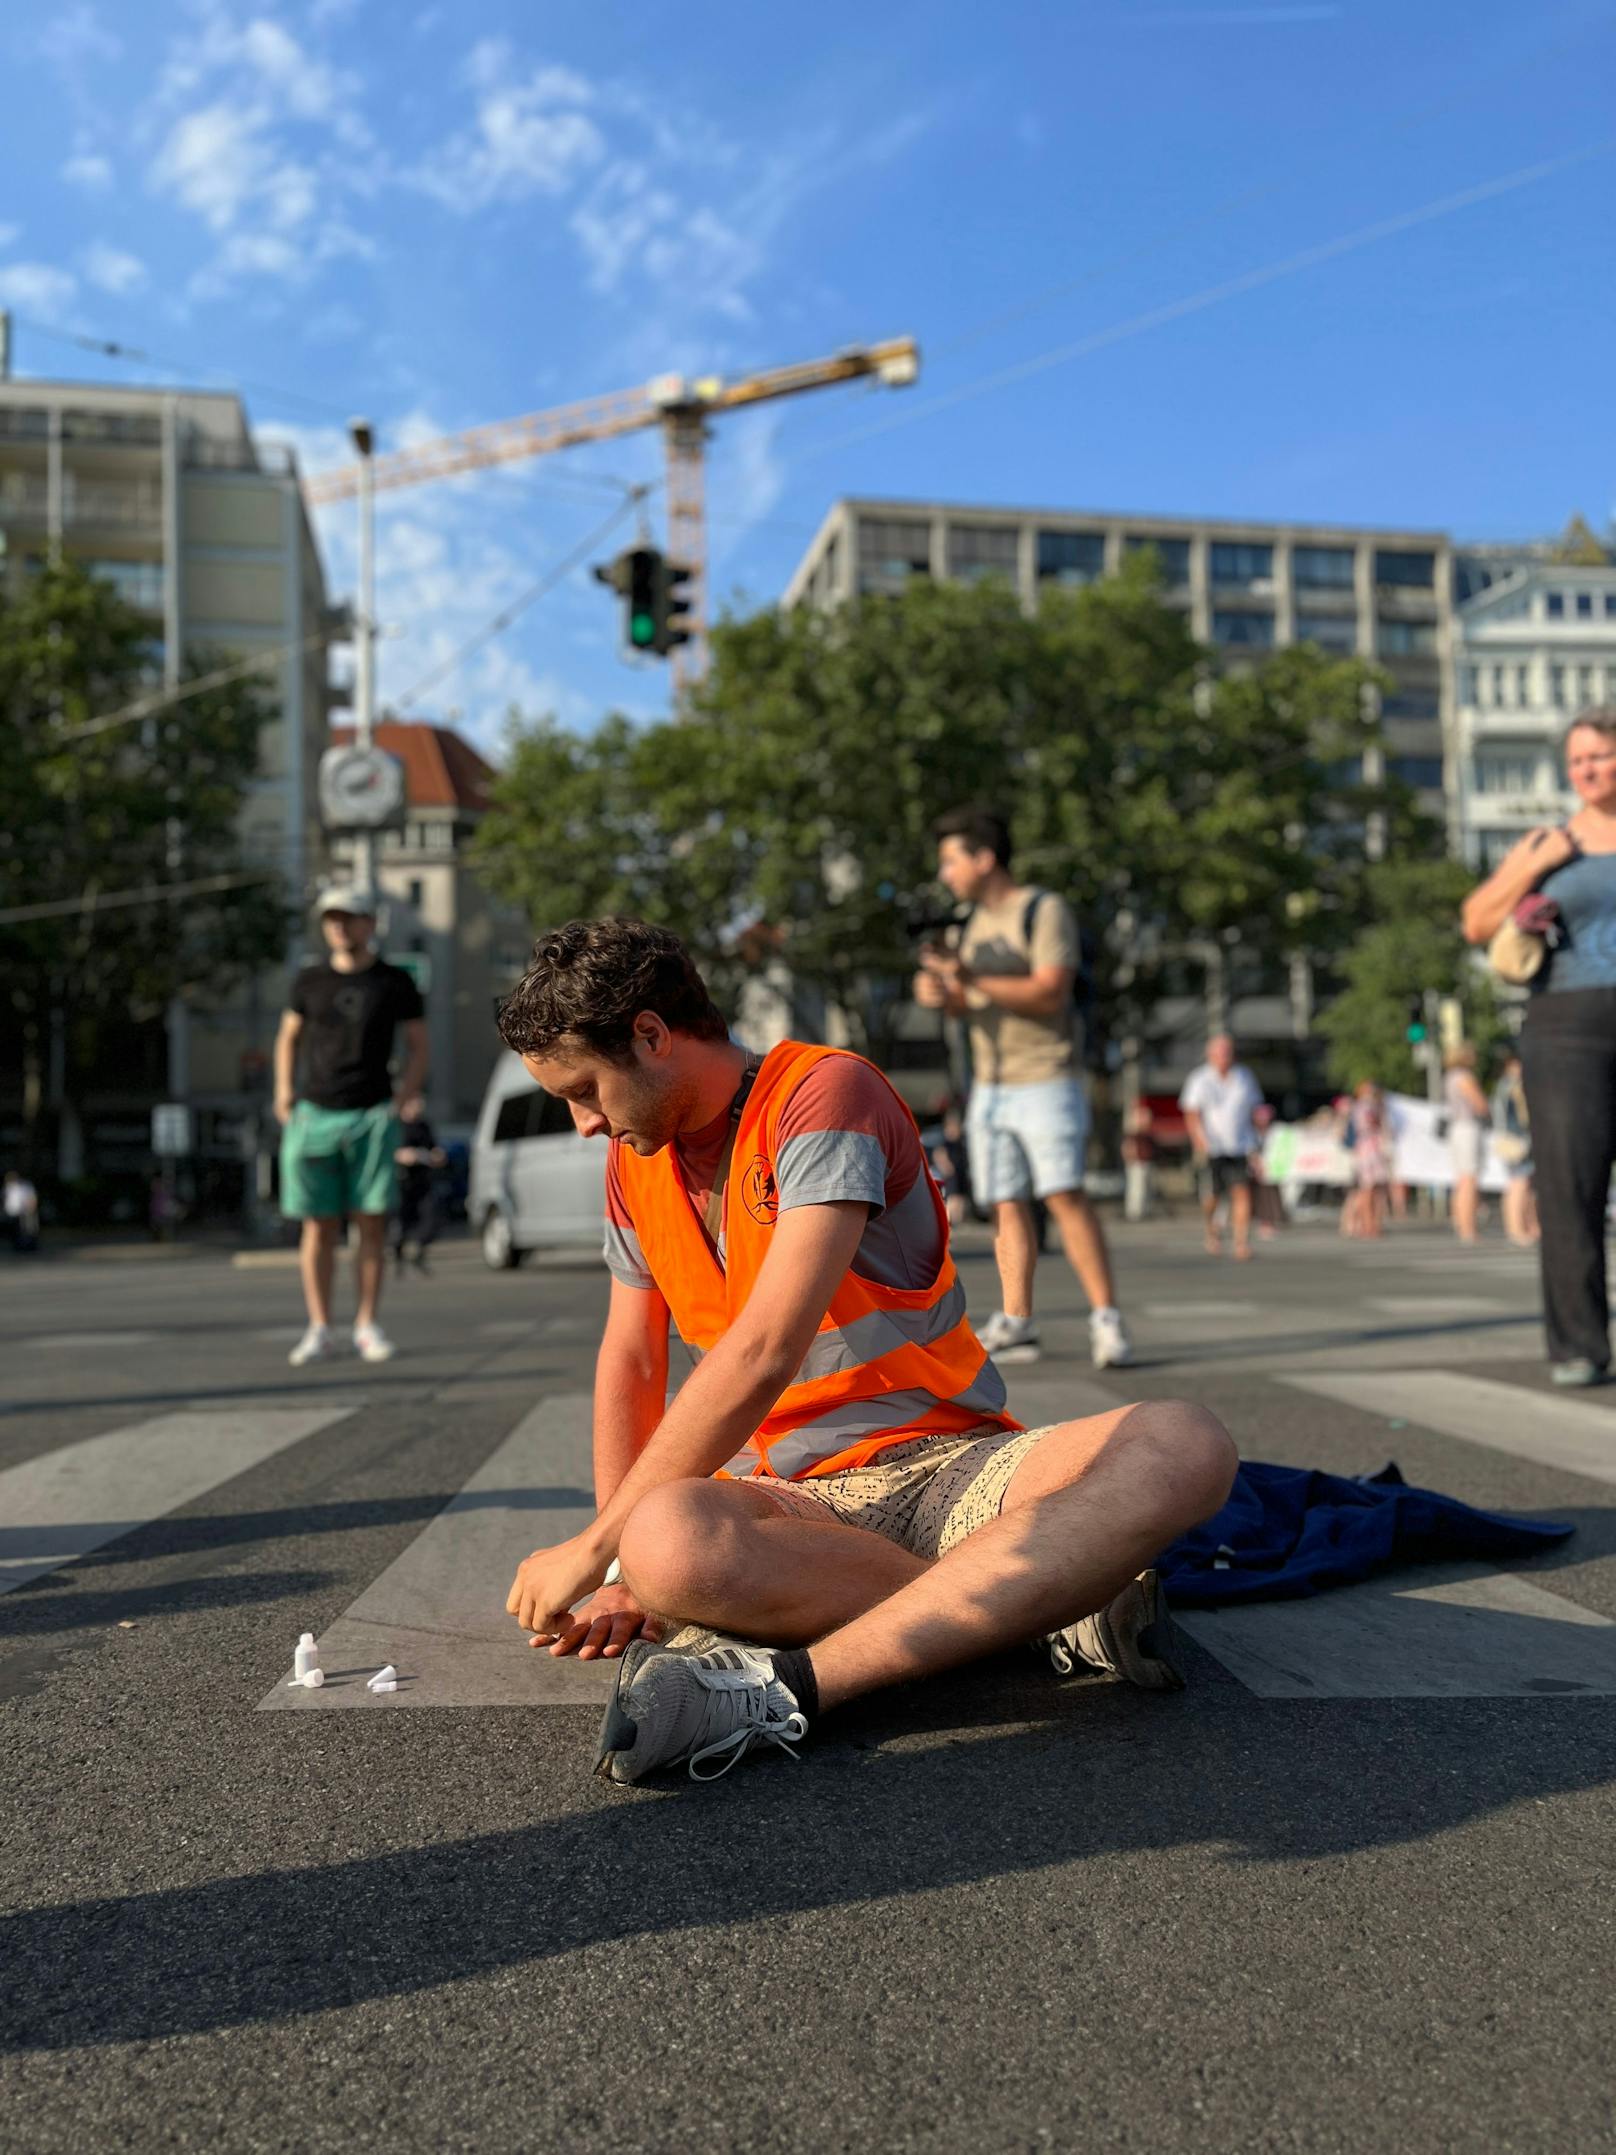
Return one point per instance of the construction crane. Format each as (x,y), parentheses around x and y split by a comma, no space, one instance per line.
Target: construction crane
(681,406)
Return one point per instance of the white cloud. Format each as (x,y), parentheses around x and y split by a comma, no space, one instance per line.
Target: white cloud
(38,288)
(77,33)
(88,169)
(112,269)
(528,136)
(10,234)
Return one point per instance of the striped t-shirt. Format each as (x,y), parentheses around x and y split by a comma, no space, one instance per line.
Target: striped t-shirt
(844,1136)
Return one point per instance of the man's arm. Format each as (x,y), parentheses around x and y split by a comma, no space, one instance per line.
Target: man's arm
(286,1064)
(631,1384)
(1042,993)
(417,1054)
(718,1408)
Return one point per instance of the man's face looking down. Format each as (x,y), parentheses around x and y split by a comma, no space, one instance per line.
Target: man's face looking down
(644,1102)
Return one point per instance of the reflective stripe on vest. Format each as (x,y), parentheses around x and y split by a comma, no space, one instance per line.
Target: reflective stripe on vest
(887,1364)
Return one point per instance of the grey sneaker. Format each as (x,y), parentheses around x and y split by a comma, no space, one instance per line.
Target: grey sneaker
(1577,1374)
(1108,1341)
(705,1709)
(1010,1339)
(1132,1637)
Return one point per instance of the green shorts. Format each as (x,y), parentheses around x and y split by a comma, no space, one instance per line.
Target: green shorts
(339,1159)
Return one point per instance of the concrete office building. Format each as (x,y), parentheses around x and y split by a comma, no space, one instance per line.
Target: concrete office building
(166,495)
(1246,587)
(464,946)
(1534,645)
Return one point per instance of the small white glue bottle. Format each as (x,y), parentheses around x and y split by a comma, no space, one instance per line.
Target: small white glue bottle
(306,1658)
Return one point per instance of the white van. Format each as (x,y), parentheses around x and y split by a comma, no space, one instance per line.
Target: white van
(535,1183)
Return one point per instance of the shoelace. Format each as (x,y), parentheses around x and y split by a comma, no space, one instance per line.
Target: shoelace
(755,1723)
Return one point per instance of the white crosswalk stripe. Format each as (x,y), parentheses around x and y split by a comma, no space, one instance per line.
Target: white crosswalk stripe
(1572,1435)
(65,1503)
(437,1613)
(1442,1305)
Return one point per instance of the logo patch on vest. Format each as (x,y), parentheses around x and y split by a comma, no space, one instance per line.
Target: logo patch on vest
(759,1193)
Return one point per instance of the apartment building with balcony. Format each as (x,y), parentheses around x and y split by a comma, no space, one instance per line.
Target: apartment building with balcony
(1535,643)
(166,495)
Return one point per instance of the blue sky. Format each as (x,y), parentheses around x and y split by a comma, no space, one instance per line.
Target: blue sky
(443,214)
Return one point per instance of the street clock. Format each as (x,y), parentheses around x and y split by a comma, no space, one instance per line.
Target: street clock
(361,789)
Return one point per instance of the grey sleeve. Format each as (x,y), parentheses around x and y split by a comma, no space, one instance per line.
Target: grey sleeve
(826,1167)
(623,1257)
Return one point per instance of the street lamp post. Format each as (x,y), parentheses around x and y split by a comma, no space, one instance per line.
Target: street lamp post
(364,441)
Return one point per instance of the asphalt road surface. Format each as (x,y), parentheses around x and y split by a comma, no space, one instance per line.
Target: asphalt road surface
(1353,1890)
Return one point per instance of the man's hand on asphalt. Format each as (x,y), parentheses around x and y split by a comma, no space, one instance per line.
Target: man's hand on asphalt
(550,1582)
(606,1623)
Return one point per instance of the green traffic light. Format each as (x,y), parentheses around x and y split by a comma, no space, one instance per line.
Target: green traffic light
(641,630)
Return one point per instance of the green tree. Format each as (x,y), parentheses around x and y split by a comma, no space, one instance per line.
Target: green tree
(796,793)
(1411,946)
(90,816)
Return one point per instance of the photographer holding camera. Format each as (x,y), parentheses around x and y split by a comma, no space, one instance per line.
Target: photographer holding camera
(1011,977)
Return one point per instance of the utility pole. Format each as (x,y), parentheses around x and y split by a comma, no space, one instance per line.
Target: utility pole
(364,441)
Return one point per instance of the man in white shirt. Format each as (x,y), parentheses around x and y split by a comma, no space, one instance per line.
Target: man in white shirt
(1220,1100)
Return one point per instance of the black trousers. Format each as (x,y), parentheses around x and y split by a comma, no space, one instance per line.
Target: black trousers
(1568,1056)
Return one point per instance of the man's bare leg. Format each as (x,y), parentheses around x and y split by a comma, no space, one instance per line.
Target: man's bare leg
(1088,1508)
(1209,1216)
(1240,1219)
(316,1260)
(1084,1240)
(370,1263)
(1015,1246)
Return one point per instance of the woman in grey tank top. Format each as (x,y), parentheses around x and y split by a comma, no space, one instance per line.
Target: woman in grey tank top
(1568,1046)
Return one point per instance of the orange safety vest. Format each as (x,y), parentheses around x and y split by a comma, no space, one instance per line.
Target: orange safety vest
(888,1363)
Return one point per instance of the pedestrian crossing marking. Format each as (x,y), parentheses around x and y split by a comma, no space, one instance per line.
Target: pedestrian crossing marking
(438,1611)
(1569,1435)
(1465,1633)
(1169,1310)
(61,1506)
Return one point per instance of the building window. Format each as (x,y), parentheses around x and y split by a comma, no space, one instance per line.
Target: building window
(1418,708)
(1554,605)
(1506,767)
(1070,557)
(1498,686)
(1173,555)
(1323,568)
(1493,845)
(890,551)
(1469,578)
(1347,771)
(1585,686)
(416,890)
(1405,639)
(1585,605)
(976,551)
(1247,629)
(1415,572)
(1467,684)
(1331,632)
(1557,687)
(1610,605)
(1523,685)
(1233,564)
(1423,773)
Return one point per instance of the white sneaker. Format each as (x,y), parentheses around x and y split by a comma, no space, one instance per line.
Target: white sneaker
(1010,1339)
(371,1343)
(1108,1342)
(314,1346)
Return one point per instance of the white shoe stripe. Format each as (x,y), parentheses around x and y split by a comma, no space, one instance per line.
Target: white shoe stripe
(62,1505)
(438,1610)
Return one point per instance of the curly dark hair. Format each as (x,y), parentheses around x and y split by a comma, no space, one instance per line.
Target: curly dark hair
(588,981)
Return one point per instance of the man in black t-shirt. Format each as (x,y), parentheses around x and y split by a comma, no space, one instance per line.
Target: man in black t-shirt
(340,1114)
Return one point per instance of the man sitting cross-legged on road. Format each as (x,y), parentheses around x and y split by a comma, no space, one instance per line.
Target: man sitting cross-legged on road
(837,1480)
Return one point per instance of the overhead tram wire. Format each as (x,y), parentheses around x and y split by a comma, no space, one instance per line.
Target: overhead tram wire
(498,623)
(151,893)
(1214,295)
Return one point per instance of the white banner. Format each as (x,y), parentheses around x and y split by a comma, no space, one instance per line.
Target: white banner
(1313,1151)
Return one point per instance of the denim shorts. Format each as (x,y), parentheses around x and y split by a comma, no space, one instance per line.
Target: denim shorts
(1027,1140)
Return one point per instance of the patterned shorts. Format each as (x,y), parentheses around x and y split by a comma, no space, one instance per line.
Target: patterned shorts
(925,1495)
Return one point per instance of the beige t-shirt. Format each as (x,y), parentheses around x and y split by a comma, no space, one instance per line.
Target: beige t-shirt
(1008,1047)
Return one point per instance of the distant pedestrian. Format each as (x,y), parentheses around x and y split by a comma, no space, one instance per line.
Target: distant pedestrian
(1267,1206)
(419,1160)
(1371,1159)
(1138,1163)
(1568,1046)
(949,1165)
(1468,1115)
(340,1117)
(1512,1142)
(21,1212)
(1220,1099)
(1012,977)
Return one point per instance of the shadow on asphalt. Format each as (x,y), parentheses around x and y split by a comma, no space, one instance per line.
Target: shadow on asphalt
(942,1787)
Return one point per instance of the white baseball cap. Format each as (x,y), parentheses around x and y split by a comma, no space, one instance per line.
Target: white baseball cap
(346,898)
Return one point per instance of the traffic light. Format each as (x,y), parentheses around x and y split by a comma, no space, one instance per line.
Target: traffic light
(656,598)
(1416,1021)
